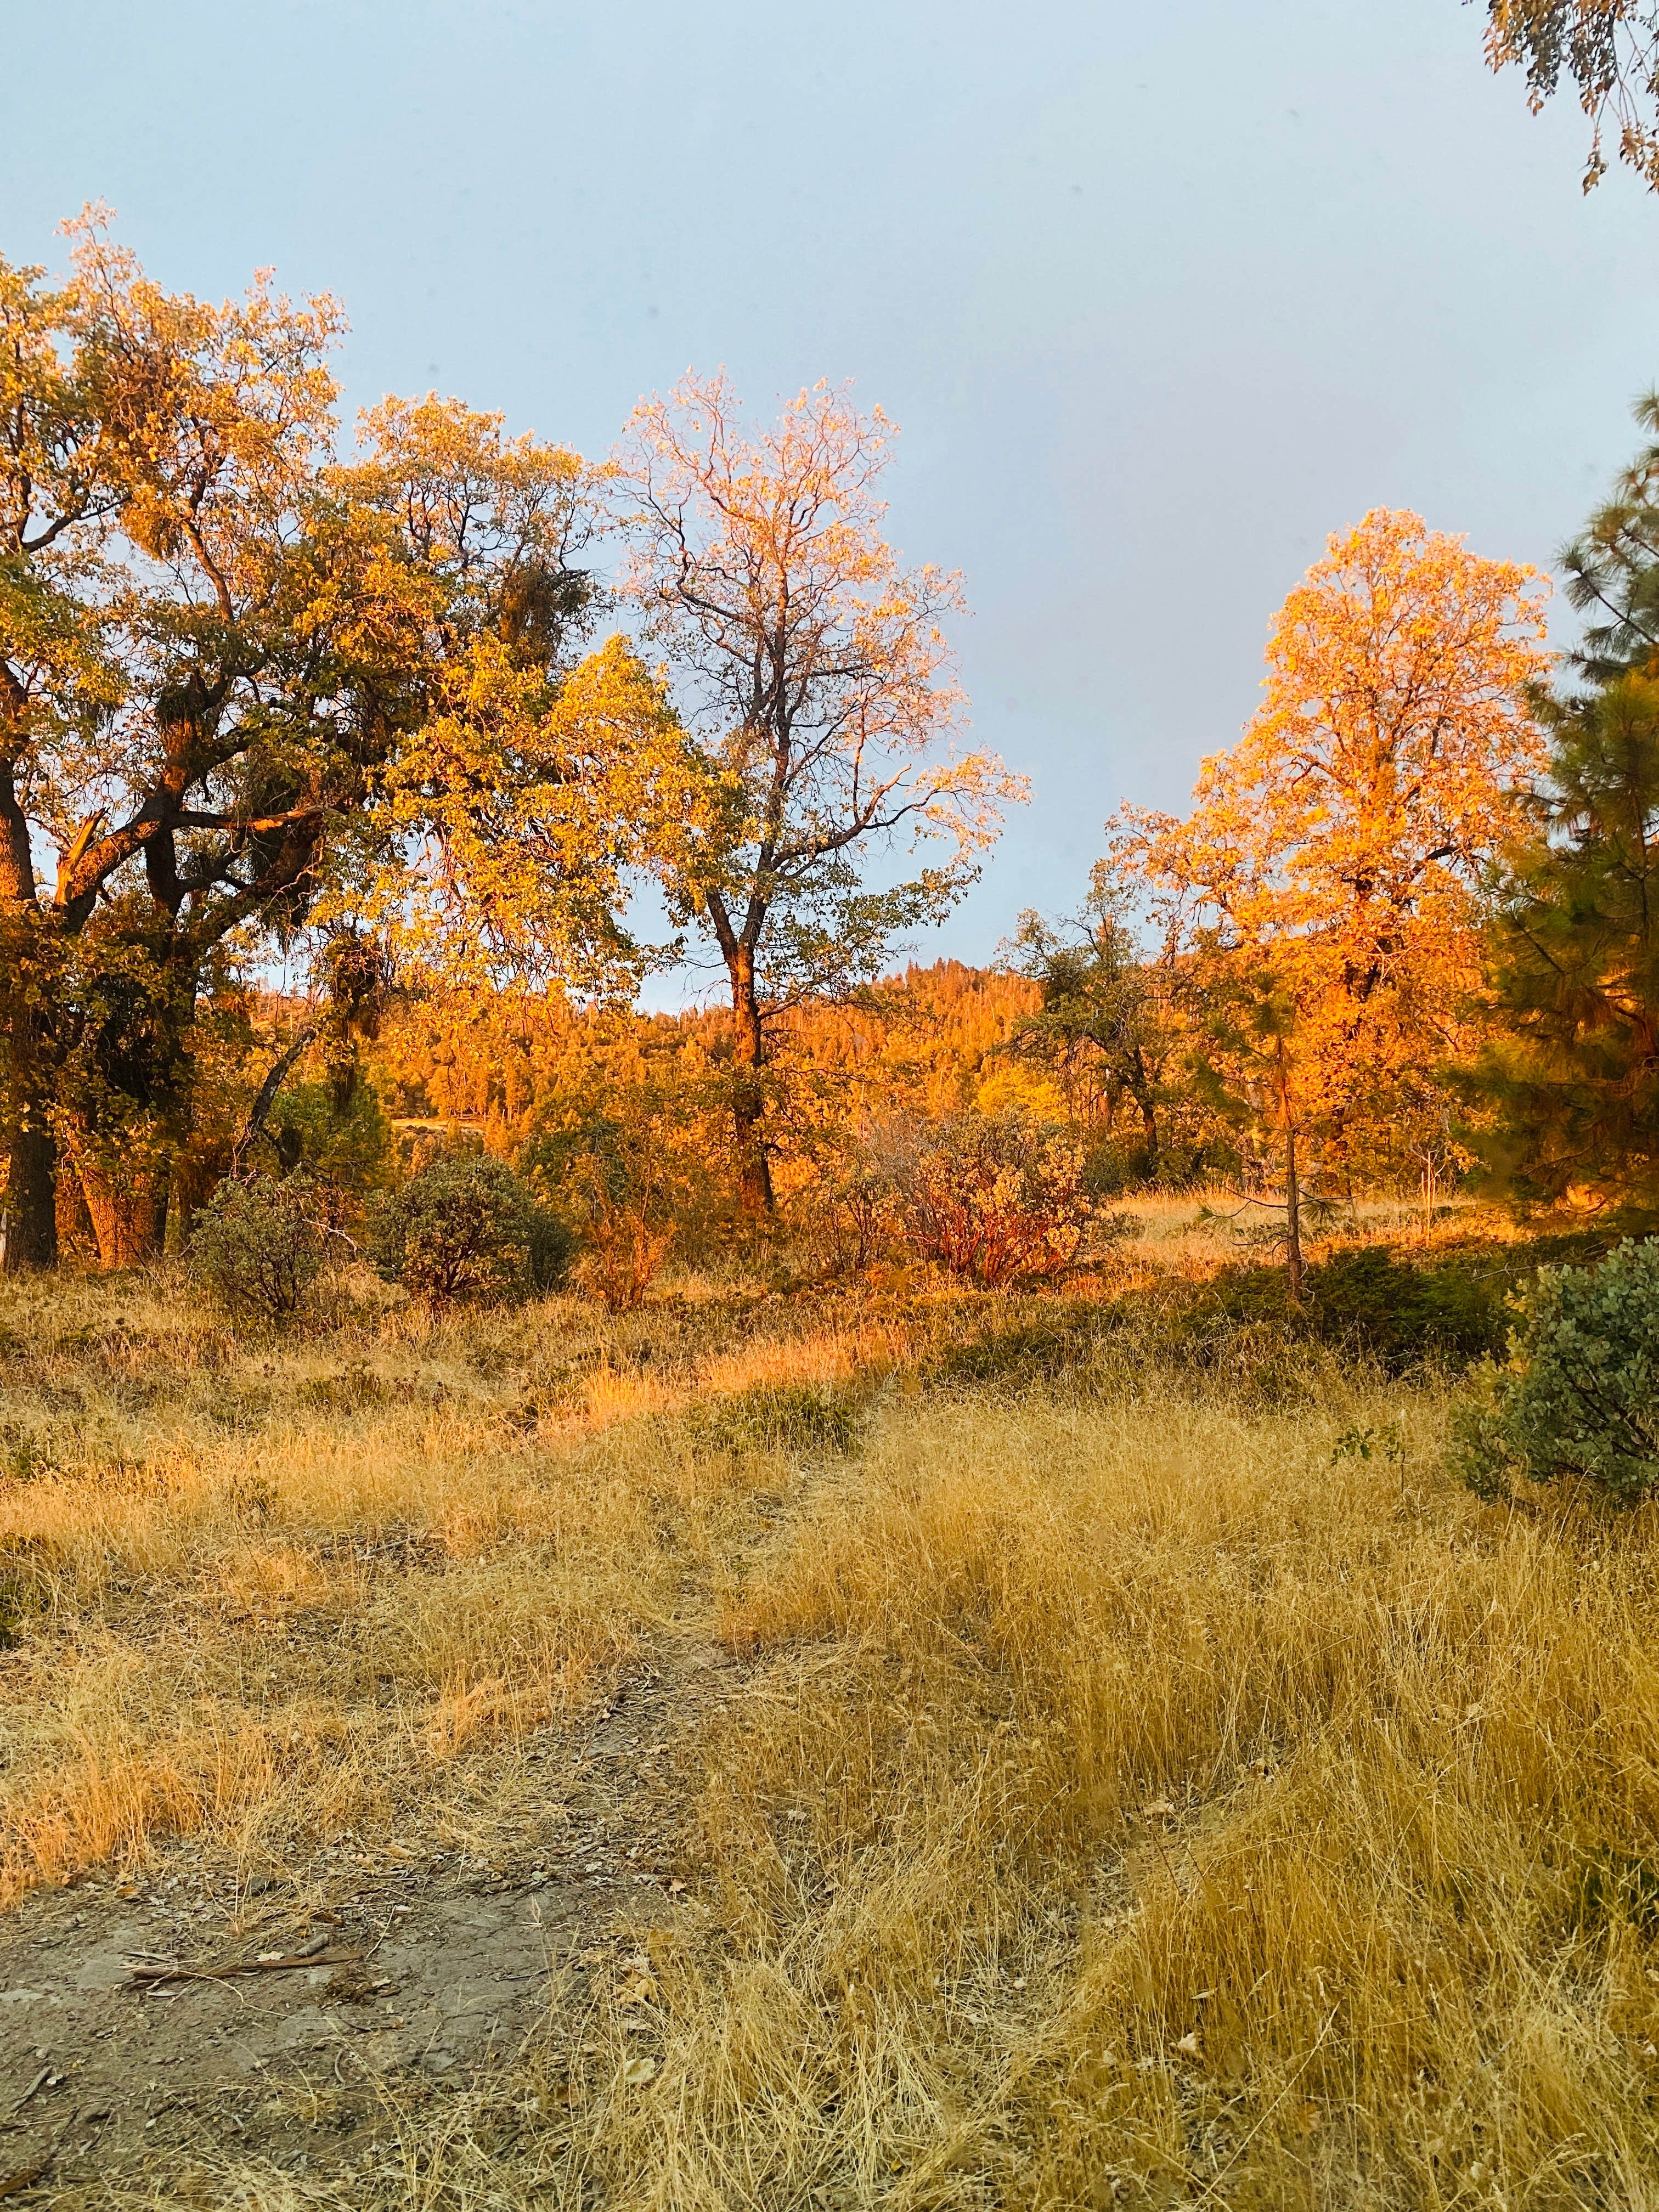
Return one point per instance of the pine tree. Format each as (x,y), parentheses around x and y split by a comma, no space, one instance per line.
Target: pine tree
(1573,1071)
(1572,1067)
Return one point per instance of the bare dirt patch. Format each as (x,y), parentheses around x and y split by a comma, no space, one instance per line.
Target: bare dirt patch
(147,2027)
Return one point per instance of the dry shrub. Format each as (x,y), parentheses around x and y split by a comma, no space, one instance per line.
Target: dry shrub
(625,1174)
(993,1198)
(623,1255)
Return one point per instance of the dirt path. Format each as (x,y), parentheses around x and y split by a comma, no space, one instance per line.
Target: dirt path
(429,1971)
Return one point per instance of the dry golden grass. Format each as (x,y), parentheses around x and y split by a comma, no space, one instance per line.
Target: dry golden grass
(1132,1798)
(273,1591)
(1141,1805)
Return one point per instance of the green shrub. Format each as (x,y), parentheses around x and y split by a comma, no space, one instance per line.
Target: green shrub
(1580,1395)
(465,1228)
(1239,1334)
(618,1195)
(259,1245)
(551,1250)
(347,1142)
(1402,1317)
(1045,1347)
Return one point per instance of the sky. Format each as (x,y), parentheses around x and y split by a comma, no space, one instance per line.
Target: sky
(1160,295)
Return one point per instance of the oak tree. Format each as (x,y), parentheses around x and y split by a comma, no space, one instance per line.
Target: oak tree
(1338,851)
(183,617)
(535,772)
(817,688)
(248,685)
(1105,1016)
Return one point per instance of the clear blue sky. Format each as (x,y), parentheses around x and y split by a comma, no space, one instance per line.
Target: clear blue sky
(1160,295)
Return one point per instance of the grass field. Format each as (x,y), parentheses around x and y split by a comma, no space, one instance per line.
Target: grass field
(1117,1786)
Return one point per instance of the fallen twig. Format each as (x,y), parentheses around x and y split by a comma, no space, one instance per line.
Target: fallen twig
(148,1976)
(25,2177)
(43,2075)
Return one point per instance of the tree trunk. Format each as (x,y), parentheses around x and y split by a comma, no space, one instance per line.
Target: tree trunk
(30,1208)
(754,1192)
(276,1076)
(126,1210)
(75,1235)
(1292,1216)
(31,1200)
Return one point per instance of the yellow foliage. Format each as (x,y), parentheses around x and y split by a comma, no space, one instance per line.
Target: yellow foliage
(1341,844)
(1015,1087)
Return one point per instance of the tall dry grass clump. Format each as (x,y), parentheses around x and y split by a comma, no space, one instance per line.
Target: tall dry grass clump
(1142,1802)
(270,1588)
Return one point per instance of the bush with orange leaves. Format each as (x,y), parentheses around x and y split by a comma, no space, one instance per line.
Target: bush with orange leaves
(992,1198)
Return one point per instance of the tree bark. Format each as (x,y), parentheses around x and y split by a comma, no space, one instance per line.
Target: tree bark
(1148,1112)
(30,1204)
(276,1076)
(754,1192)
(31,1200)
(1292,1216)
(127,1215)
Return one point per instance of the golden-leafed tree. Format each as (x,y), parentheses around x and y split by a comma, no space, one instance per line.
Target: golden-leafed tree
(1336,854)
(249,687)
(183,614)
(535,770)
(815,683)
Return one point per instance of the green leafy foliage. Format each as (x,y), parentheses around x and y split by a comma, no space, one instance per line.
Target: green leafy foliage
(259,1245)
(465,1228)
(616,1192)
(1241,1331)
(1580,1395)
(347,1143)
(1403,1316)
(1571,1066)
(1104,1017)
(1238,1331)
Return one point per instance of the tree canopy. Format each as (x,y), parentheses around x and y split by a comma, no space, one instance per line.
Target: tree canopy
(816,685)
(1342,842)
(1608,50)
(1568,1069)
(250,682)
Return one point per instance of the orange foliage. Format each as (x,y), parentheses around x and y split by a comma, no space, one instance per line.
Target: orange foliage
(508,1064)
(1340,845)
